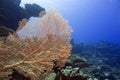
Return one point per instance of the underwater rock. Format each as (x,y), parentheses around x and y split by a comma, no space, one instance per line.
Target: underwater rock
(78,77)
(70,73)
(11,13)
(37,9)
(9,2)
(72,69)
(104,57)
(17,76)
(50,76)
(5,31)
(76,61)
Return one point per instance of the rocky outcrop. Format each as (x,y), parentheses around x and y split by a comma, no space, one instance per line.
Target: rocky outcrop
(30,7)
(11,13)
(5,31)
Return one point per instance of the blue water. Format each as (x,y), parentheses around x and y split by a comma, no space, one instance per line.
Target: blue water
(95,20)
(91,20)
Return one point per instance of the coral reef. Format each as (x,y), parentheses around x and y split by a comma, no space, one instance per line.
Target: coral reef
(104,57)
(32,54)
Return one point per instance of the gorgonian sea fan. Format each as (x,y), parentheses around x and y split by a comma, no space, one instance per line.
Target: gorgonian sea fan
(51,23)
(39,43)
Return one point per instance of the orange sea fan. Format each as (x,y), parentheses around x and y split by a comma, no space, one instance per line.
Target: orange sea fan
(32,54)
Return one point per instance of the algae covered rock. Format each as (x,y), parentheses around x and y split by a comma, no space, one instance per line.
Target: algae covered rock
(77,61)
